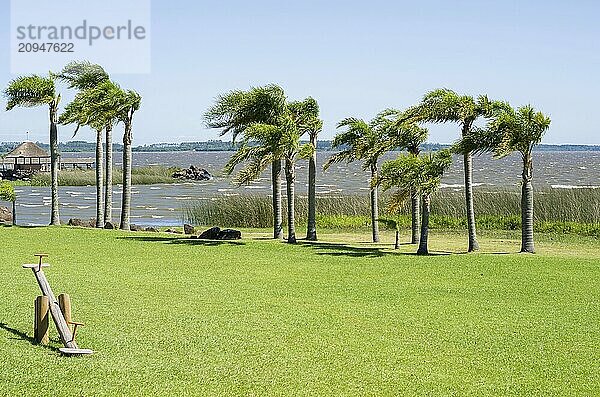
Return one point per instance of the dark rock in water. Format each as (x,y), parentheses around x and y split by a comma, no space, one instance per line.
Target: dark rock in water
(151,229)
(82,223)
(5,215)
(188,229)
(215,233)
(210,234)
(109,226)
(17,175)
(135,228)
(230,234)
(192,174)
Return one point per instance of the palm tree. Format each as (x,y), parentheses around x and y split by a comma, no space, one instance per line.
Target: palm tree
(127,103)
(265,144)
(31,91)
(511,131)
(85,76)
(421,174)
(305,115)
(315,126)
(401,133)
(442,106)
(237,111)
(7,193)
(365,142)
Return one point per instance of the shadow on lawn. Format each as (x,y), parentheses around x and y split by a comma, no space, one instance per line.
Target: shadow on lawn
(340,249)
(22,335)
(181,240)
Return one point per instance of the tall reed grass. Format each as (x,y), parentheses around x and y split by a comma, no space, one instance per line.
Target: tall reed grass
(139,175)
(555,210)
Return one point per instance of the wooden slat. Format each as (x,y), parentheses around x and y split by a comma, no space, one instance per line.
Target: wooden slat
(70,352)
(61,325)
(35,265)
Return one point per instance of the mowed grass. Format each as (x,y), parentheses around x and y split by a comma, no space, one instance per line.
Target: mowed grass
(172,316)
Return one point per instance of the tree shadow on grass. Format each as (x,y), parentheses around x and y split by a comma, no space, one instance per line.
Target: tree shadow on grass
(340,249)
(23,336)
(181,241)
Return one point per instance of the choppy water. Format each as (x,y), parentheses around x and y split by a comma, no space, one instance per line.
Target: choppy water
(161,205)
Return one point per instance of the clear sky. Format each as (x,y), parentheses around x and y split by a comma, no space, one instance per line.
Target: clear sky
(356,58)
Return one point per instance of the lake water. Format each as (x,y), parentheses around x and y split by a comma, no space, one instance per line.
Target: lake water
(161,205)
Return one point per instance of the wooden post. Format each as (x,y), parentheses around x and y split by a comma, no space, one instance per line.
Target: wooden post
(40,322)
(64,302)
(66,336)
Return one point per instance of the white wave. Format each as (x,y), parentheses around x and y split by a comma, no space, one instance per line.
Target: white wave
(83,207)
(155,188)
(575,187)
(30,205)
(157,217)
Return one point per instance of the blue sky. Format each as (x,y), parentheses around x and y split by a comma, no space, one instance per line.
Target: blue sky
(356,58)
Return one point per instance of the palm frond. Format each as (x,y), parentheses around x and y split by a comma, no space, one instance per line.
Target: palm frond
(30,91)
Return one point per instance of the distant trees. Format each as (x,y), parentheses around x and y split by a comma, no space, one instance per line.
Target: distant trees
(32,91)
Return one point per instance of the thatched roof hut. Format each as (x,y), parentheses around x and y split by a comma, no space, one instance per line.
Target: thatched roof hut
(27,149)
(28,156)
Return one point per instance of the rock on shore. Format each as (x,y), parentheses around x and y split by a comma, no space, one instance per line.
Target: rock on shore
(192,174)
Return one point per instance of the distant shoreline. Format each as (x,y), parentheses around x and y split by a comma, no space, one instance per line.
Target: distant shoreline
(224,146)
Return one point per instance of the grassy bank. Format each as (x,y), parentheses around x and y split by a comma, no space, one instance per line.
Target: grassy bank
(169,316)
(140,176)
(557,210)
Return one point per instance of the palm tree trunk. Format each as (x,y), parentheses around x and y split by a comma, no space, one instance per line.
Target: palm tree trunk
(277,216)
(109,176)
(54,165)
(527,244)
(99,181)
(311,231)
(423,247)
(397,245)
(290,179)
(14,212)
(416,217)
(468,163)
(374,206)
(126,201)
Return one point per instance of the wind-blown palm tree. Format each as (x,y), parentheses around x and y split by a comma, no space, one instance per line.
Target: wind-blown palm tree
(306,119)
(32,91)
(442,106)
(511,131)
(361,141)
(401,133)
(264,144)
(238,110)
(85,76)
(127,103)
(421,174)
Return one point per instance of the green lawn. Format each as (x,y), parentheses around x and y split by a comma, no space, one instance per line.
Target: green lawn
(171,316)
